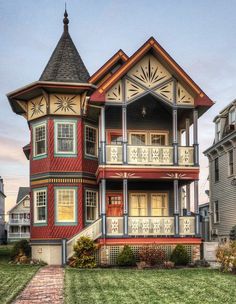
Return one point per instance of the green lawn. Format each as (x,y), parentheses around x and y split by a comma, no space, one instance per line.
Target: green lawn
(13,278)
(101,286)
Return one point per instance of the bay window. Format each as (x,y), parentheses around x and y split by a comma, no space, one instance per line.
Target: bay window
(40,206)
(65,137)
(65,201)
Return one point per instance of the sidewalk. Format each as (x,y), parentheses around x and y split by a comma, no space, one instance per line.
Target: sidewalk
(45,287)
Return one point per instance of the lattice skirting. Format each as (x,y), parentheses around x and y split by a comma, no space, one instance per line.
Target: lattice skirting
(108,254)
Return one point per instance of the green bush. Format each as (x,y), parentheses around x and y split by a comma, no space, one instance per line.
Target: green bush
(84,253)
(180,256)
(126,257)
(22,248)
(152,255)
(232,234)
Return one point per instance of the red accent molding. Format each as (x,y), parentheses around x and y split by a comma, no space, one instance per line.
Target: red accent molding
(143,241)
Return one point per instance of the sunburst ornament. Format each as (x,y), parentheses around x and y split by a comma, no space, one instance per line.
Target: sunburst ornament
(37,106)
(65,104)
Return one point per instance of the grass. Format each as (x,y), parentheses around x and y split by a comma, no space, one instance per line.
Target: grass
(13,277)
(126,286)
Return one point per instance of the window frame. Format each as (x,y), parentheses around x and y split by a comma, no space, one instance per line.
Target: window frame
(216,170)
(145,194)
(165,195)
(75,195)
(218,212)
(96,142)
(130,133)
(34,127)
(39,222)
(231,112)
(231,165)
(218,130)
(75,139)
(85,202)
(165,134)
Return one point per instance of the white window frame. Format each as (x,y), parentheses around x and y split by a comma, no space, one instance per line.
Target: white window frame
(96,141)
(214,215)
(232,112)
(57,190)
(35,191)
(43,124)
(65,122)
(96,205)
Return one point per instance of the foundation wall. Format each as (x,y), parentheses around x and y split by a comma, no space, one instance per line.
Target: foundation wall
(51,254)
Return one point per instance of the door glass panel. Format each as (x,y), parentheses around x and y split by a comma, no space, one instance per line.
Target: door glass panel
(138,205)
(138,139)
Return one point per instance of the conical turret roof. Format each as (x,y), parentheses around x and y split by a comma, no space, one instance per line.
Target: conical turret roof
(65,64)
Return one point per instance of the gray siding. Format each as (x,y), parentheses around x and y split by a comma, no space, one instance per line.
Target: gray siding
(225,193)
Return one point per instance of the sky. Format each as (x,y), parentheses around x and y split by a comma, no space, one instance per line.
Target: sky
(199,35)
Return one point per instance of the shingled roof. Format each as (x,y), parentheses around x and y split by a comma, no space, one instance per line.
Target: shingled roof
(23,191)
(65,64)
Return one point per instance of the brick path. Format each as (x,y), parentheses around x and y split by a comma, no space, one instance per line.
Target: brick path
(45,287)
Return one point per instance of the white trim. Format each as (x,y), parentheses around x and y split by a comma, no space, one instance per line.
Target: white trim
(36,208)
(43,124)
(65,122)
(96,142)
(57,190)
(96,206)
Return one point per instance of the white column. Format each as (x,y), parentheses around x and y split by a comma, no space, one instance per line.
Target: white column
(125,201)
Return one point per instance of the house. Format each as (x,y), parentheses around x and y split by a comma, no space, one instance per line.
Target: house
(2,212)
(19,217)
(222,172)
(205,225)
(110,153)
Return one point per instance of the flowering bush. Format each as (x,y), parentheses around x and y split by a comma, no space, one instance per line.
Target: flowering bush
(152,255)
(226,256)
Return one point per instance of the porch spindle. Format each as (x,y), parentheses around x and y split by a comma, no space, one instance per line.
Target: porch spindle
(125,199)
(196,208)
(103,136)
(175,136)
(195,137)
(176,206)
(103,206)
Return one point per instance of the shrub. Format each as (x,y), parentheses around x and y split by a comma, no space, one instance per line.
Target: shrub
(84,253)
(180,256)
(152,255)
(232,234)
(226,256)
(126,257)
(20,250)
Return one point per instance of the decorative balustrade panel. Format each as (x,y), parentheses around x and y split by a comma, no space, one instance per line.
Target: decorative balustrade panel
(92,231)
(186,156)
(150,155)
(151,225)
(114,225)
(187,225)
(18,235)
(19,221)
(114,154)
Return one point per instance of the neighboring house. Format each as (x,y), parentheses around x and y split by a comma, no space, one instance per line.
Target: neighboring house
(19,217)
(107,154)
(204,214)
(222,178)
(2,212)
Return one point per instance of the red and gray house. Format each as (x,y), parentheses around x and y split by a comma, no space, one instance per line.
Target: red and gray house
(112,154)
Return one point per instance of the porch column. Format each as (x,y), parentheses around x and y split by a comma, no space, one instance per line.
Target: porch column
(175,136)
(195,137)
(124,132)
(176,206)
(188,197)
(125,200)
(103,206)
(196,209)
(103,136)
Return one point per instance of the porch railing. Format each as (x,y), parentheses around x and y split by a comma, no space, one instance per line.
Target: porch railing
(151,226)
(149,155)
(19,221)
(18,235)
(187,225)
(114,225)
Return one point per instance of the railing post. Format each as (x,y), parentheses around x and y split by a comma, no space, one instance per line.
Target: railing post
(63,252)
(196,209)
(176,206)
(125,200)
(103,207)
(195,137)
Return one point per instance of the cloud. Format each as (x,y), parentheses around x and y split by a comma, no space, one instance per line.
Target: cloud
(11,151)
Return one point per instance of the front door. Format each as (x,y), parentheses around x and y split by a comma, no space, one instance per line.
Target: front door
(138,204)
(114,204)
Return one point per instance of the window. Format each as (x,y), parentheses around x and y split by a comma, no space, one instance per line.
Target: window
(65,205)
(40,205)
(65,137)
(232,117)
(91,198)
(231,162)
(137,139)
(138,204)
(90,141)
(218,131)
(158,139)
(159,204)
(216,212)
(39,140)
(216,164)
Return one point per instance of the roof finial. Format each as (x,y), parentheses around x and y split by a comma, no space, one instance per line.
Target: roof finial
(65,20)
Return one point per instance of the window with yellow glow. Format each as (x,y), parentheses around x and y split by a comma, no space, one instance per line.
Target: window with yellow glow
(159,204)
(65,200)
(138,204)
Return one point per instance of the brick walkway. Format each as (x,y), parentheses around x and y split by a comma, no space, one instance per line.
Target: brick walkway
(45,287)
